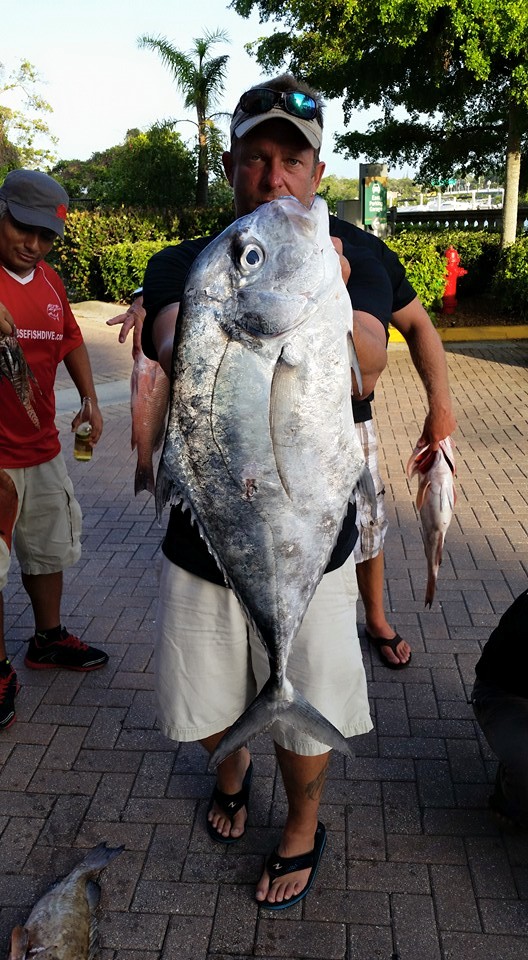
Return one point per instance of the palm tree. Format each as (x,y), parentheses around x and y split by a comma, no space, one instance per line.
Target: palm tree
(201,80)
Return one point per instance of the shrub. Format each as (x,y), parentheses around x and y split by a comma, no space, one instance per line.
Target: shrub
(86,233)
(123,266)
(479,252)
(510,283)
(426,267)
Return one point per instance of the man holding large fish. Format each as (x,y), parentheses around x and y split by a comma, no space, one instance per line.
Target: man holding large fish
(39,514)
(261,447)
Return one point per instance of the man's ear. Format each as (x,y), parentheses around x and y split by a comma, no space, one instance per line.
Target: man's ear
(227,160)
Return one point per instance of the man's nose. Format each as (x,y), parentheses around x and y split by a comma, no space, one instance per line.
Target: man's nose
(32,239)
(275,174)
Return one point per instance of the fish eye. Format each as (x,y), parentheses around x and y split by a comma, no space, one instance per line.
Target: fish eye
(251,258)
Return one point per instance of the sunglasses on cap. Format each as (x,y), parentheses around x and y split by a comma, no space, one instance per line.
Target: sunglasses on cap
(263,99)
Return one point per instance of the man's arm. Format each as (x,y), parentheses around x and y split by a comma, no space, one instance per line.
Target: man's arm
(371,350)
(370,340)
(163,330)
(77,363)
(428,356)
(7,324)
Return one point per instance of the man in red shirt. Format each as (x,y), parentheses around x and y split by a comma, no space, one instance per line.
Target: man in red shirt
(38,510)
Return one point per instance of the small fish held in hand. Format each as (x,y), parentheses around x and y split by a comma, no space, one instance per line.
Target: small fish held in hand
(435,500)
(14,367)
(61,925)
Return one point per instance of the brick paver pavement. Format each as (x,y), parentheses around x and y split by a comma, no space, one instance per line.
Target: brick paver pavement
(415,868)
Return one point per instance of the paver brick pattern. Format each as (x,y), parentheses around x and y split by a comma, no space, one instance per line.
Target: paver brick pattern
(415,867)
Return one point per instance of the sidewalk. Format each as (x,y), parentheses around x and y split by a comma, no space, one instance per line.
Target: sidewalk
(415,868)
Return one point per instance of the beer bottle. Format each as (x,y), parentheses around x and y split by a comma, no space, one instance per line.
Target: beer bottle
(82,449)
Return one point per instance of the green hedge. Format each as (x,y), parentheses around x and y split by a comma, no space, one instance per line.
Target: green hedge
(425,266)
(123,266)
(86,233)
(510,282)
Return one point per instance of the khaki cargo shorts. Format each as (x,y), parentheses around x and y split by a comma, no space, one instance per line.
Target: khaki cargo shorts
(209,665)
(40,516)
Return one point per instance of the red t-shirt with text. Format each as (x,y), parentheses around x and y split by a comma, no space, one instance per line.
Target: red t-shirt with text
(46,331)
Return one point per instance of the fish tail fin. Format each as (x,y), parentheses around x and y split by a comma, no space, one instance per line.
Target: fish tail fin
(269,706)
(97,859)
(144,479)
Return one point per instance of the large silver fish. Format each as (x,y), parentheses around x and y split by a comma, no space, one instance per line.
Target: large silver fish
(435,500)
(61,925)
(260,442)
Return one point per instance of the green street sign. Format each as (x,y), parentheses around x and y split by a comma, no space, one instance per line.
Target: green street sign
(375,200)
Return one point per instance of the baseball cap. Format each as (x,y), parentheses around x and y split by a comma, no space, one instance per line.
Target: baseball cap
(35,199)
(264,103)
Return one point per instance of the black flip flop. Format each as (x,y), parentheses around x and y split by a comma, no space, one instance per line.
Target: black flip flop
(230,804)
(379,642)
(278,866)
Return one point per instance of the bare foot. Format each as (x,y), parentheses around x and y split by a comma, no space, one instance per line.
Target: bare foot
(291,884)
(229,779)
(403,651)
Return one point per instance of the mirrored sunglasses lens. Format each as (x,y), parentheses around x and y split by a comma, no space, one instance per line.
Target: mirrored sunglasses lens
(300,105)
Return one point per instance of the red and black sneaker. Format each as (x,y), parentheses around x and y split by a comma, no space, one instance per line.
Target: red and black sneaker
(69,652)
(9,687)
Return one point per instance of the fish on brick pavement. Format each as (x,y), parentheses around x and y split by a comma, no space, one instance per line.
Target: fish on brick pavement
(149,401)
(15,368)
(435,501)
(61,925)
(261,444)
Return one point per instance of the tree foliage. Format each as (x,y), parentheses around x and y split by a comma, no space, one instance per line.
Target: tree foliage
(455,69)
(25,137)
(201,79)
(150,169)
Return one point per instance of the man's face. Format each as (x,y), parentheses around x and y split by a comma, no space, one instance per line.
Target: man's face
(273,160)
(21,246)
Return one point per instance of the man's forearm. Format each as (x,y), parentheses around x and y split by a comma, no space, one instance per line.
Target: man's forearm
(79,368)
(371,350)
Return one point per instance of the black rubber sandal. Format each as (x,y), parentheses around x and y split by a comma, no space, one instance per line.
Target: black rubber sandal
(278,866)
(230,804)
(379,642)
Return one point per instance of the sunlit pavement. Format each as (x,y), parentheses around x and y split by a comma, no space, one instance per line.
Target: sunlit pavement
(415,868)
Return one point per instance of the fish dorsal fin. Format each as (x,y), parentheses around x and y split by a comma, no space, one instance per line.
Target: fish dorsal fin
(19,943)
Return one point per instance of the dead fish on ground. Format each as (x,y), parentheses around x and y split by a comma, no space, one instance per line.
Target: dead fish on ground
(149,401)
(15,368)
(260,442)
(61,925)
(435,500)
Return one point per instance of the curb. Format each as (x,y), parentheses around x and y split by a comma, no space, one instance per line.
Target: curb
(463,334)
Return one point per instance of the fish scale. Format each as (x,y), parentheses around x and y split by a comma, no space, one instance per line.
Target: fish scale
(260,442)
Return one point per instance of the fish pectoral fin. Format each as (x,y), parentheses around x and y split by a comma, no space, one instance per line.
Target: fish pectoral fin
(366,488)
(422,493)
(19,943)
(269,706)
(354,363)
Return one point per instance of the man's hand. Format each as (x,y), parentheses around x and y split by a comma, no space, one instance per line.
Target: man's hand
(7,324)
(95,420)
(130,320)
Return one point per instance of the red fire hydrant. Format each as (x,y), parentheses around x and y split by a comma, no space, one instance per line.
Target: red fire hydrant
(454,271)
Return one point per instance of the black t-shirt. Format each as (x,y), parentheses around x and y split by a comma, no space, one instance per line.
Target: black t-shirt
(377,285)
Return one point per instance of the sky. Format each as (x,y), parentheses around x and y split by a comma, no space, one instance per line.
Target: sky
(100,84)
